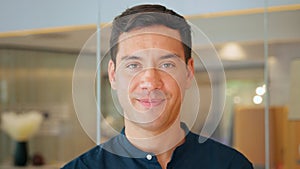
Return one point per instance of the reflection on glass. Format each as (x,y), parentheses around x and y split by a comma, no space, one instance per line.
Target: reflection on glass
(40,78)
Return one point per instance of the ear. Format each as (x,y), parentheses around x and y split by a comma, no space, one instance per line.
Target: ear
(190,72)
(112,74)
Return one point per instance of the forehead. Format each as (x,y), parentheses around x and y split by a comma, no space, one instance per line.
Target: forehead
(151,30)
(148,38)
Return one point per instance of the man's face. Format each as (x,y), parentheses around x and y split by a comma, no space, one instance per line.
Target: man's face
(150,76)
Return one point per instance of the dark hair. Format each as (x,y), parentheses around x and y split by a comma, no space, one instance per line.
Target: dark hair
(148,15)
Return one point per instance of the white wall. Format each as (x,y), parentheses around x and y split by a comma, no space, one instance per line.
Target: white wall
(32,14)
(294,106)
(282,56)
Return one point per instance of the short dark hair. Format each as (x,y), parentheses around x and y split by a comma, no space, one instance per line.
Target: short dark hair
(148,15)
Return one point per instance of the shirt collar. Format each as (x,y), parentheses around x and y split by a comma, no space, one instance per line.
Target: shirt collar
(182,125)
(121,146)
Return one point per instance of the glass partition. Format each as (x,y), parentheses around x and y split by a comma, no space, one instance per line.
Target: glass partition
(36,75)
(240,46)
(284,91)
(256,44)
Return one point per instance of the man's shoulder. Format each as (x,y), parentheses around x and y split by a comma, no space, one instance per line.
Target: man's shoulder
(205,143)
(92,158)
(84,160)
(213,150)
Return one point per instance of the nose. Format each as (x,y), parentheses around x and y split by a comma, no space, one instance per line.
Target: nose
(150,80)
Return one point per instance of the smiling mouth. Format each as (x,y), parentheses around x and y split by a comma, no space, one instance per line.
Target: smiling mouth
(149,103)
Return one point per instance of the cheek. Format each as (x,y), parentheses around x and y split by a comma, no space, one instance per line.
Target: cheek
(126,83)
(176,82)
(171,87)
(122,91)
(174,90)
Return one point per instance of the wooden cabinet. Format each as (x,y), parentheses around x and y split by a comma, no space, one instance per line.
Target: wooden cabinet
(249,137)
(293,145)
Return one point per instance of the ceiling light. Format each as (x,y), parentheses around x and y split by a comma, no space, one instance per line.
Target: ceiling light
(232,51)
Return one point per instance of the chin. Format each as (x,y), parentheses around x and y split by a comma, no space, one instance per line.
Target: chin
(156,125)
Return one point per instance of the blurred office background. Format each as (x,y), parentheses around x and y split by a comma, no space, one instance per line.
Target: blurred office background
(257,41)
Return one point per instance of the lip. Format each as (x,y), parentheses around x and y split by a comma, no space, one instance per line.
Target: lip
(149,103)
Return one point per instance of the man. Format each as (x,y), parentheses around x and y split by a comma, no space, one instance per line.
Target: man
(150,69)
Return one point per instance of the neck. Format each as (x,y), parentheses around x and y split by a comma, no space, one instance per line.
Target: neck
(162,143)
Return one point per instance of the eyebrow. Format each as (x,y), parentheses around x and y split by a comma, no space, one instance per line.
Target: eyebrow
(169,56)
(133,57)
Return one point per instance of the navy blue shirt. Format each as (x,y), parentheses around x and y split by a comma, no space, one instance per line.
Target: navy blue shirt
(119,153)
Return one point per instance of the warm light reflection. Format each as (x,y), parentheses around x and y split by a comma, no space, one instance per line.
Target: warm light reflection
(237,99)
(232,51)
